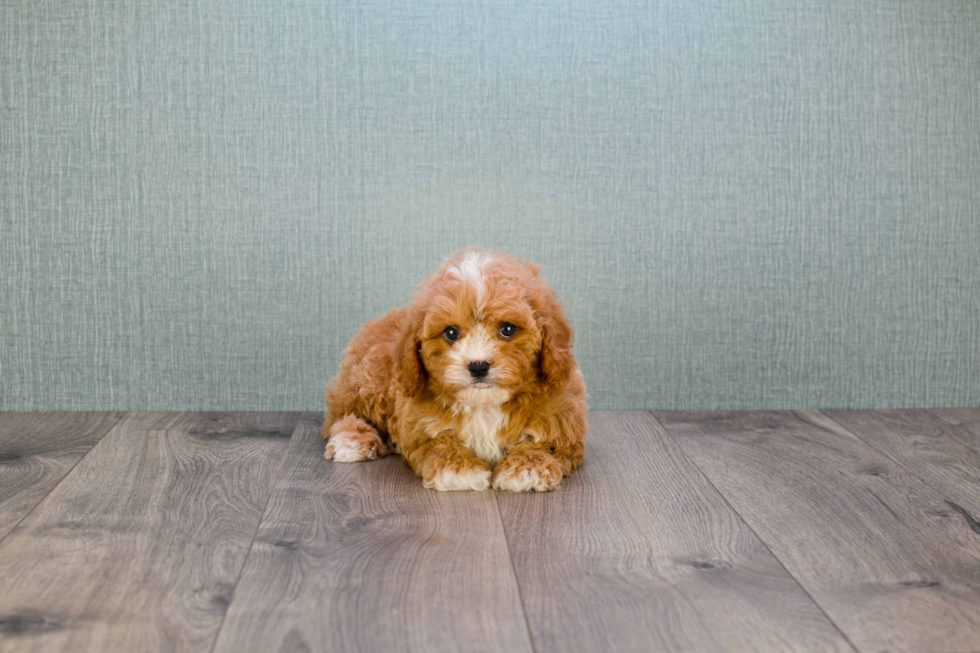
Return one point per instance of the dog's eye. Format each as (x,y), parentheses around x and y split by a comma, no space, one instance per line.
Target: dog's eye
(508,330)
(451,334)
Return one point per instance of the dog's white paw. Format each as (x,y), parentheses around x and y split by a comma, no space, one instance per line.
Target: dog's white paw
(448,480)
(526,480)
(352,440)
(353,447)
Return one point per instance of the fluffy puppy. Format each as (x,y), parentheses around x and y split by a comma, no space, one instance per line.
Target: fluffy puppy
(474,383)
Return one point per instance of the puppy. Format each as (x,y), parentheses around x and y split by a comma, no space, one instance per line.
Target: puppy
(474,383)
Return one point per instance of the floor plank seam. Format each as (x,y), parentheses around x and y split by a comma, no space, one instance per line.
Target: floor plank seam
(248,553)
(109,430)
(756,534)
(513,569)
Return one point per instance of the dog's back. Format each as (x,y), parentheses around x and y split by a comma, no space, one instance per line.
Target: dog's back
(365,385)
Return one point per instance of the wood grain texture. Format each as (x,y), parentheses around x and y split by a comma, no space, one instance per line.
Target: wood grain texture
(938,452)
(360,557)
(637,552)
(966,422)
(37,450)
(875,546)
(139,547)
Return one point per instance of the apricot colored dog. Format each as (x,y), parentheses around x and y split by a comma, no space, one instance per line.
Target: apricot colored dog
(474,383)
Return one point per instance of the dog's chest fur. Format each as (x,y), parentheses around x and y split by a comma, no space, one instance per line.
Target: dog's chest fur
(480,428)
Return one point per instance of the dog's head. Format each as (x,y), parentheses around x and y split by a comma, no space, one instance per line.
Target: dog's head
(483,327)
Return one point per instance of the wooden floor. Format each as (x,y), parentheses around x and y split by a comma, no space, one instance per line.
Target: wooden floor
(760,531)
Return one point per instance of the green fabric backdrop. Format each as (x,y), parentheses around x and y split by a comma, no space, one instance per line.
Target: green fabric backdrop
(744,204)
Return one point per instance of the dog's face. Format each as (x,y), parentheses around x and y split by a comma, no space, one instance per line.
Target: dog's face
(483,327)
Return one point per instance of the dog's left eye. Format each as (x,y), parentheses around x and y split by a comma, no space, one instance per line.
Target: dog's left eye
(508,330)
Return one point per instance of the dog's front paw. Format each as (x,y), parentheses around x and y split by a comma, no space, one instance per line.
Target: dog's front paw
(526,472)
(449,479)
(353,440)
(353,447)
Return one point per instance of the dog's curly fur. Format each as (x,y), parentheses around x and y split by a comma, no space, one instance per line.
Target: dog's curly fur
(404,386)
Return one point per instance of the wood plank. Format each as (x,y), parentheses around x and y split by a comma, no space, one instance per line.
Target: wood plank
(870,542)
(139,547)
(360,557)
(926,446)
(637,552)
(966,422)
(37,450)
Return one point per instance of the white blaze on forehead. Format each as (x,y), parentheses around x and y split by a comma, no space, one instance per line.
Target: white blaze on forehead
(470,270)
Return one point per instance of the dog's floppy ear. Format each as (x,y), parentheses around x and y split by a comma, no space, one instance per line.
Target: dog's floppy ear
(556,360)
(411,370)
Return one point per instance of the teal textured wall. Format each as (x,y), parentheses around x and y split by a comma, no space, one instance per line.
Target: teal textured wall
(744,204)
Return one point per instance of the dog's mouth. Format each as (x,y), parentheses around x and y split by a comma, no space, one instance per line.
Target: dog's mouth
(485,392)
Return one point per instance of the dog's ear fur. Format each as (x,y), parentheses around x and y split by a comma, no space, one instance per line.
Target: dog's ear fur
(555,360)
(410,368)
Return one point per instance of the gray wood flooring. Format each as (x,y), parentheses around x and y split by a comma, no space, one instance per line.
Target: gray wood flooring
(701,531)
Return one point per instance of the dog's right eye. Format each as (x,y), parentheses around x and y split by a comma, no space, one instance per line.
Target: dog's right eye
(451,334)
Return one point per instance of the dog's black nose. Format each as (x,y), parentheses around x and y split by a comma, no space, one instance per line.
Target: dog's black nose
(478,369)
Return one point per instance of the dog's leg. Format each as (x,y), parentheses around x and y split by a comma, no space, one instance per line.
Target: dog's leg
(350,440)
(549,450)
(445,464)
(531,467)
